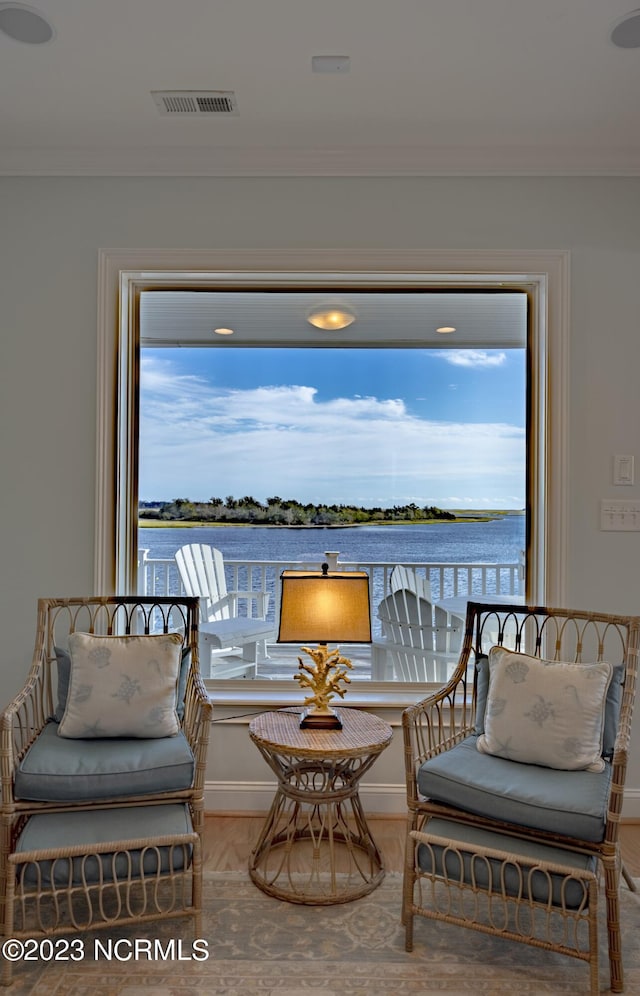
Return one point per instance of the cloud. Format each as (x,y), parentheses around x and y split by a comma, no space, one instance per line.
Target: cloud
(200,441)
(477,358)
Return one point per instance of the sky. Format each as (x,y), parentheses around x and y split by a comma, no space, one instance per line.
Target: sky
(370,427)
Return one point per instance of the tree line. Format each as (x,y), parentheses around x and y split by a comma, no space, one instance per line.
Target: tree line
(276,511)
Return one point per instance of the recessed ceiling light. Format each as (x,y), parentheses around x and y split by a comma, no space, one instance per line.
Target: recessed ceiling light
(25,24)
(446,328)
(224,331)
(626,31)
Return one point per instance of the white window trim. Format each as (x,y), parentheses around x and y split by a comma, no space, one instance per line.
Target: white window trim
(123,274)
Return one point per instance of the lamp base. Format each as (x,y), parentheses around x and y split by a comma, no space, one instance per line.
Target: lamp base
(312,720)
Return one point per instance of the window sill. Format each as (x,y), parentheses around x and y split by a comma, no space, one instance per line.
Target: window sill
(388,699)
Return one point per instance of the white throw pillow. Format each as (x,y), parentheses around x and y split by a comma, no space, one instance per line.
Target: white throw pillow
(122,686)
(545,712)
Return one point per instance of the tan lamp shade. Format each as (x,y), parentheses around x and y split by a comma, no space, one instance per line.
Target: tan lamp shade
(331,607)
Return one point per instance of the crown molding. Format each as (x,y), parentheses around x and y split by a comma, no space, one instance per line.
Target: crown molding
(265,162)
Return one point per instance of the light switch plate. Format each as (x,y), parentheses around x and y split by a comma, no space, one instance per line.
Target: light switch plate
(621,516)
(623,468)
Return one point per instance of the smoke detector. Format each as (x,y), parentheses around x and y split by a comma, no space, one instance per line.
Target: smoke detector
(626,31)
(25,24)
(191,103)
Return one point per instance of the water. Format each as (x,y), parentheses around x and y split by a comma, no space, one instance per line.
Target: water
(496,541)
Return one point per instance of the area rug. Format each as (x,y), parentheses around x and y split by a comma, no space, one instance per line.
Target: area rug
(259,946)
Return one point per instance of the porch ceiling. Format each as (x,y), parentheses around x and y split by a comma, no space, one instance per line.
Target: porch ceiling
(388,318)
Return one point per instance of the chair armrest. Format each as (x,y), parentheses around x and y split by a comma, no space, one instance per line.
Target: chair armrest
(437,723)
(196,722)
(20,723)
(619,763)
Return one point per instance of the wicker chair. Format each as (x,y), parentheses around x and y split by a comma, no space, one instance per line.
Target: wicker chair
(42,773)
(471,810)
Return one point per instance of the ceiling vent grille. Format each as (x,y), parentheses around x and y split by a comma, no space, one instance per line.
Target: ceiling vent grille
(189,103)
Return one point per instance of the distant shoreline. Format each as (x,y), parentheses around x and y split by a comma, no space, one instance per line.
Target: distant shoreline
(472,516)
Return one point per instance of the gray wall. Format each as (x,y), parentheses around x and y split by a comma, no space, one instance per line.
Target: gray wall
(52,228)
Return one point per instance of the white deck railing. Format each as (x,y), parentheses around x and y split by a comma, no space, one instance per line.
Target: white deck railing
(160,577)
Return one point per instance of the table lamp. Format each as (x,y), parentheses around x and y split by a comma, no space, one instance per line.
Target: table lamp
(324,607)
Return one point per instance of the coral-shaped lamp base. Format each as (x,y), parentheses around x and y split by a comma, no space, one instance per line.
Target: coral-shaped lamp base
(324,684)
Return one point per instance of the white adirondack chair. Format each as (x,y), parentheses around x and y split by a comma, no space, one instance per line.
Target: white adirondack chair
(448,628)
(417,645)
(223,632)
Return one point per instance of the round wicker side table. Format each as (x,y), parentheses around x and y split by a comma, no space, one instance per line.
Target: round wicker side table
(315,847)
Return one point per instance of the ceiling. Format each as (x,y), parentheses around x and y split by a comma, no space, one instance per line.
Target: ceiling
(480,320)
(434,87)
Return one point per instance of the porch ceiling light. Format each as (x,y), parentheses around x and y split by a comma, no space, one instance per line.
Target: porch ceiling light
(331,319)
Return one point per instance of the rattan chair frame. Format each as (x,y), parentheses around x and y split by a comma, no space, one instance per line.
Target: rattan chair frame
(52,905)
(440,721)
(492,908)
(27,714)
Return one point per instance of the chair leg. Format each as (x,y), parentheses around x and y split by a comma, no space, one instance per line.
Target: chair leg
(250,653)
(408,931)
(204,653)
(6,832)
(8,913)
(611,883)
(408,881)
(197,887)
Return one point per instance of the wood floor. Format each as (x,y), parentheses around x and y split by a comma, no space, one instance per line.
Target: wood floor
(228,841)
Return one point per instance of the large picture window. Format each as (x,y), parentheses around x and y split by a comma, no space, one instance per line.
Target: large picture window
(411,445)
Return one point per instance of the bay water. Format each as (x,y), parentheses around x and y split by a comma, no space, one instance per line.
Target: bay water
(494,541)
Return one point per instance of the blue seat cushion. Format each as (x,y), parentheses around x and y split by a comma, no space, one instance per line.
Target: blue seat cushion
(56,769)
(571,803)
(134,823)
(492,873)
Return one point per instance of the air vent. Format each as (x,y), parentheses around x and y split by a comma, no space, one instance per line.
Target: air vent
(188,103)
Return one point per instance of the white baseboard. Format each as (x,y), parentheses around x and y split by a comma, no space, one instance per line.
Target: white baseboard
(377,799)
(256,797)
(631,804)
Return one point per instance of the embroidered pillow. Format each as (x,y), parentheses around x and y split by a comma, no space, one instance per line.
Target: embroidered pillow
(63,661)
(122,686)
(545,712)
